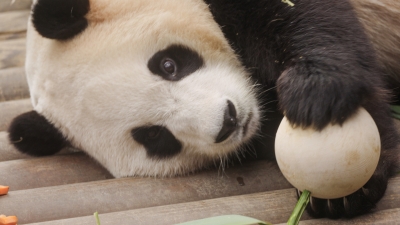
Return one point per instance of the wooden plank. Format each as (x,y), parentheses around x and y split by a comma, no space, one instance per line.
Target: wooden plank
(272,206)
(13,84)
(11,109)
(51,171)
(9,36)
(12,53)
(60,202)
(10,5)
(14,21)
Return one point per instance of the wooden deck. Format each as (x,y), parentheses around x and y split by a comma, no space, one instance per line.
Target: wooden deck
(69,187)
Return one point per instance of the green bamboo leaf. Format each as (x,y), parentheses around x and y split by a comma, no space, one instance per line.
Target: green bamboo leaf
(396,116)
(299,208)
(96,216)
(395,111)
(226,220)
(395,108)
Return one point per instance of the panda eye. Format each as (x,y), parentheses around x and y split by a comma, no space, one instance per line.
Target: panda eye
(153,132)
(169,67)
(175,62)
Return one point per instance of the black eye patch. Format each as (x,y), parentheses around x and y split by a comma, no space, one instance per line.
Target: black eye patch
(175,62)
(158,141)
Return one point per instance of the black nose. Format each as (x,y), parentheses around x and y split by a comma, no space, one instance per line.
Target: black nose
(229,124)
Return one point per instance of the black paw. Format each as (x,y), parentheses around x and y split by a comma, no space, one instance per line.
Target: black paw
(358,203)
(317,96)
(33,134)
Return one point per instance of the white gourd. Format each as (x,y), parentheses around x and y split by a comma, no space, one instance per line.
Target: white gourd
(331,163)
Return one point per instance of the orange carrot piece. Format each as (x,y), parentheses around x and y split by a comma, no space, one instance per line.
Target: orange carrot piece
(3,190)
(8,220)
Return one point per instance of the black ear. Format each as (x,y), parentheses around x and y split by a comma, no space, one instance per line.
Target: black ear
(60,19)
(33,134)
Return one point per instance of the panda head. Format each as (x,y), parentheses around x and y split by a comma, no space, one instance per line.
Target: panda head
(146,87)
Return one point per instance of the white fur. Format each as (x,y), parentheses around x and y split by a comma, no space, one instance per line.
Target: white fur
(96,87)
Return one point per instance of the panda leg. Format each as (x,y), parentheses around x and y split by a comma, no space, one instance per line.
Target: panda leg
(358,203)
(33,134)
(366,197)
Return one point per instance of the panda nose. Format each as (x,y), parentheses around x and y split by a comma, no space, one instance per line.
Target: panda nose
(229,124)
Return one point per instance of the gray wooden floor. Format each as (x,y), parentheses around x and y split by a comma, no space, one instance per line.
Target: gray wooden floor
(69,187)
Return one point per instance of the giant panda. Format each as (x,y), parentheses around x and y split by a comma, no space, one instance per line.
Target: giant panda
(167,87)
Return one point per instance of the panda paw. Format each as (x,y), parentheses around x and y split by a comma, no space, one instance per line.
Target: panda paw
(33,134)
(358,203)
(308,98)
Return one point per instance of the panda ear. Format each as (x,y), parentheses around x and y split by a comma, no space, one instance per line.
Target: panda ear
(60,19)
(33,134)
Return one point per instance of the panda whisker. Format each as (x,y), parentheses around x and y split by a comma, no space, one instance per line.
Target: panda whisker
(258,136)
(249,149)
(267,103)
(261,93)
(239,154)
(269,89)
(221,168)
(215,162)
(252,149)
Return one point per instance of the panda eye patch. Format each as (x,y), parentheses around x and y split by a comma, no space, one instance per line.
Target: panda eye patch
(175,62)
(158,141)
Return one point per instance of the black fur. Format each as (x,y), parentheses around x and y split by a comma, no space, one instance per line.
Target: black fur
(323,67)
(185,61)
(33,134)
(60,19)
(159,142)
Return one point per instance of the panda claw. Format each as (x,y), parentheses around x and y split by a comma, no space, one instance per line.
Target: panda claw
(365,191)
(345,203)
(298,193)
(312,204)
(360,202)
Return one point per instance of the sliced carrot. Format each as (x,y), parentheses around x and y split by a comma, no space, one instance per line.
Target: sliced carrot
(8,220)
(3,190)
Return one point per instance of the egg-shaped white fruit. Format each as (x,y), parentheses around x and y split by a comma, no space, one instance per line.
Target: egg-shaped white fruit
(331,163)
